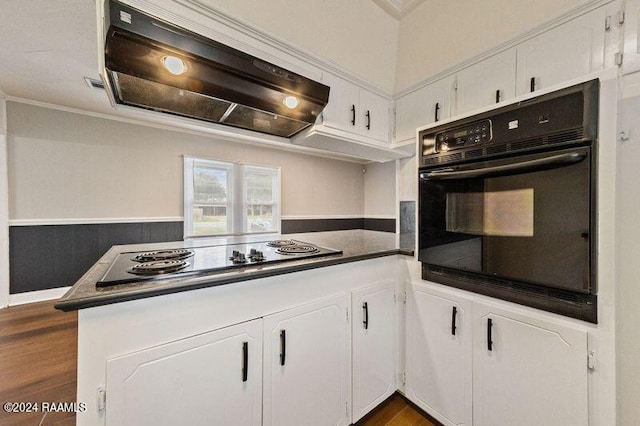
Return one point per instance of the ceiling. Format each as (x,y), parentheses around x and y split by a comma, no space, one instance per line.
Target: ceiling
(47,49)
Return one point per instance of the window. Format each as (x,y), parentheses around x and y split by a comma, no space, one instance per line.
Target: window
(223,198)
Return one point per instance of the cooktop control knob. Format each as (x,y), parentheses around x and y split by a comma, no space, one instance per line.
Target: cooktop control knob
(238,257)
(256,256)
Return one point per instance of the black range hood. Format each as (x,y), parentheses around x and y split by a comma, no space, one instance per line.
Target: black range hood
(218,84)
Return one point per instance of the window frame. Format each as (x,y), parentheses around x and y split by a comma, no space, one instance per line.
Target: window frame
(237,203)
(276,188)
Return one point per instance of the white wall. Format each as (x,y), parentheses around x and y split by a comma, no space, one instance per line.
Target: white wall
(380,190)
(628,231)
(355,34)
(64,165)
(4,208)
(439,34)
(407,179)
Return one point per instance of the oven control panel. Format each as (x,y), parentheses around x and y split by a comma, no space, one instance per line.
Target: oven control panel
(478,132)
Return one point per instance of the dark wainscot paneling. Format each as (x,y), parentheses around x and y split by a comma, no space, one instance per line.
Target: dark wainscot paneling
(292,226)
(384,225)
(49,256)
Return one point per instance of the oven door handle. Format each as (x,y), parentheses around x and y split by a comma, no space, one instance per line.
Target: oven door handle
(524,166)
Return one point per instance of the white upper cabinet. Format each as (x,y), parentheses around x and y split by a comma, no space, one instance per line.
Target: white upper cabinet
(487,82)
(355,123)
(584,44)
(565,52)
(527,372)
(421,107)
(342,111)
(631,61)
(354,109)
(374,116)
(210,379)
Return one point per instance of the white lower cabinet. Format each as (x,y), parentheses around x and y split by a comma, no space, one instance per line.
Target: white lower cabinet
(471,363)
(209,379)
(439,354)
(373,347)
(533,372)
(217,378)
(306,365)
(331,361)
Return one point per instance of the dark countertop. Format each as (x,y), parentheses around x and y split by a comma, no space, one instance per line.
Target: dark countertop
(355,245)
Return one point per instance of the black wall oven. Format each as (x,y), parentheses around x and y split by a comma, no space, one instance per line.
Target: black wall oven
(507,202)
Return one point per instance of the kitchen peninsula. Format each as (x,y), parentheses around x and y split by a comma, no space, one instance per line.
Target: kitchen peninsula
(135,339)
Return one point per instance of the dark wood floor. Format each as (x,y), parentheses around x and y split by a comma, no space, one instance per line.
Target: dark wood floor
(38,351)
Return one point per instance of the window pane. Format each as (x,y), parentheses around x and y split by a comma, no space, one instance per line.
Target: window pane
(260,196)
(209,200)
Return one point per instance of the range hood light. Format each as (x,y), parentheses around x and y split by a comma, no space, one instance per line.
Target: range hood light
(175,66)
(290,102)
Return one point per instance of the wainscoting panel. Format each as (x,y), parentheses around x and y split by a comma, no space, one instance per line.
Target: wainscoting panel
(49,256)
(384,225)
(293,226)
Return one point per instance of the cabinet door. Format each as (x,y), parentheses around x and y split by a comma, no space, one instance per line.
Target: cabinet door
(487,82)
(631,61)
(566,52)
(420,108)
(343,110)
(374,120)
(374,347)
(534,373)
(306,362)
(210,379)
(439,354)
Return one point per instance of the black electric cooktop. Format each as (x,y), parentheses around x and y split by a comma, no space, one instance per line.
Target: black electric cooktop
(133,267)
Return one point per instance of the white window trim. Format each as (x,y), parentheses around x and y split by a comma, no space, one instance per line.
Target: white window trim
(236,190)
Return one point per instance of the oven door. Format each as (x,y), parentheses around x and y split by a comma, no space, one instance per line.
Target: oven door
(526,219)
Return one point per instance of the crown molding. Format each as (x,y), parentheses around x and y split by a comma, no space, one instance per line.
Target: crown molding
(398,8)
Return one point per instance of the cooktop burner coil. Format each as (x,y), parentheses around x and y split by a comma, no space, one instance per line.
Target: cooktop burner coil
(298,249)
(158,267)
(185,263)
(174,254)
(281,243)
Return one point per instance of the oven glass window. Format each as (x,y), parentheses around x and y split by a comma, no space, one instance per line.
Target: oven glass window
(499,213)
